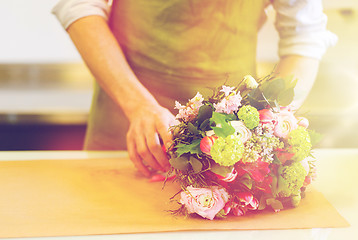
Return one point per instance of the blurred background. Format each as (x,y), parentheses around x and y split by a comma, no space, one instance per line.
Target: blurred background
(46,90)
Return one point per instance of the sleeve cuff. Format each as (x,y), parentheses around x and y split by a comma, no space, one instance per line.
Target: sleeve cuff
(313,45)
(68,11)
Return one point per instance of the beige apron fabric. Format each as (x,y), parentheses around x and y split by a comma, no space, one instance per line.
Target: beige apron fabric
(176,48)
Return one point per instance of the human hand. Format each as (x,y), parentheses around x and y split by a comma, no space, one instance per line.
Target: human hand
(148,127)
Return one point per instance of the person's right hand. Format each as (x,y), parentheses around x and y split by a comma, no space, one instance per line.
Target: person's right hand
(149,122)
(148,130)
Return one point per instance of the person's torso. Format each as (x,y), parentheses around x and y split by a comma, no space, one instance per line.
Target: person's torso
(188,42)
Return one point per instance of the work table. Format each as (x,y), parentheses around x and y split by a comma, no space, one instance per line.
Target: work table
(336,180)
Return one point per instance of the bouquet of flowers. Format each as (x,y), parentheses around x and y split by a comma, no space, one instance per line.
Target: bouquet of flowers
(243,149)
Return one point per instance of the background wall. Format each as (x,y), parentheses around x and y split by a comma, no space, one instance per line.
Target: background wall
(45,89)
(31,34)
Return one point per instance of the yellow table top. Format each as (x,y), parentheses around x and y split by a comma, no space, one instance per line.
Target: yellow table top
(336,172)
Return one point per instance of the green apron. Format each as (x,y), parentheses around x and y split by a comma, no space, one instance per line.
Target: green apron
(176,48)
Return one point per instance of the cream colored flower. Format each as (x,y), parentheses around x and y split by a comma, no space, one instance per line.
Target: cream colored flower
(250,82)
(241,130)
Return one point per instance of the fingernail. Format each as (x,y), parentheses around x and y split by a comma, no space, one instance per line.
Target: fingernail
(157,178)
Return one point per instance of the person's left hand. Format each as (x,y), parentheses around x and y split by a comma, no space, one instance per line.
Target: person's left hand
(148,130)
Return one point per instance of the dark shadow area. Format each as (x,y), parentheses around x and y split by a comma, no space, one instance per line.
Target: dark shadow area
(41,137)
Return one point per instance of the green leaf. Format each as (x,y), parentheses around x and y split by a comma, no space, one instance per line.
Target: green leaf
(274,187)
(262,203)
(181,163)
(225,128)
(246,181)
(205,112)
(270,201)
(272,89)
(193,129)
(221,170)
(315,137)
(193,148)
(195,164)
(290,83)
(281,186)
(204,125)
(256,99)
(275,93)
(276,160)
(231,117)
(218,118)
(276,205)
(221,214)
(285,97)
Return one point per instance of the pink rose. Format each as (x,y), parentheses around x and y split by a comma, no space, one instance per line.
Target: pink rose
(302,121)
(268,119)
(204,201)
(267,116)
(206,143)
(286,122)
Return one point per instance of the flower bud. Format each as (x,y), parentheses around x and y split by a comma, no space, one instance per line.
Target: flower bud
(254,204)
(239,211)
(302,121)
(248,200)
(245,197)
(206,143)
(250,82)
(230,177)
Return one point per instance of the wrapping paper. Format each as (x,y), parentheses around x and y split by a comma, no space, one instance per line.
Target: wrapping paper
(107,196)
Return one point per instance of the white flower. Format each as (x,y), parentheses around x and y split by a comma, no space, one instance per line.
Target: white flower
(227,90)
(241,130)
(250,82)
(178,105)
(197,101)
(210,133)
(191,109)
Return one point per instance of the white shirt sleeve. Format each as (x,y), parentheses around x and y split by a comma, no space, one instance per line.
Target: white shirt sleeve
(301,25)
(68,11)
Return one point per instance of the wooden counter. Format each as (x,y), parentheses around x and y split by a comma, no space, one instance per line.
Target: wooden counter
(337,171)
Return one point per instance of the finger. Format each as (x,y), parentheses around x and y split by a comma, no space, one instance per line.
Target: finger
(155,148)
(165,135)
(137,161)
(145,154)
